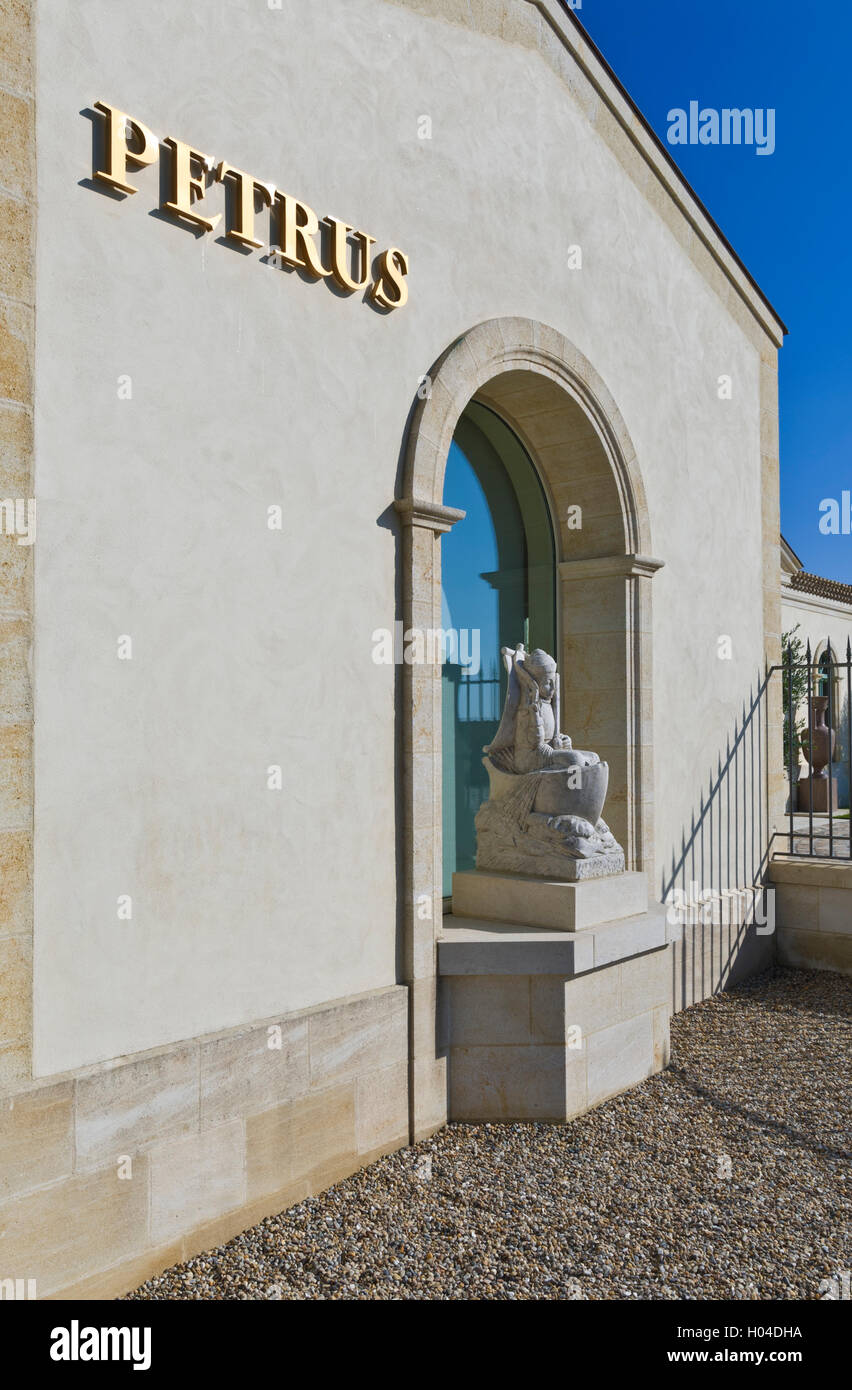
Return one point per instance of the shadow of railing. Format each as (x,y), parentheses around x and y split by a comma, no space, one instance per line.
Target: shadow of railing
(728,845)
(718,877)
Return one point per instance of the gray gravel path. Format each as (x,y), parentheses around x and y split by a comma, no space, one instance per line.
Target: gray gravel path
(728,1176)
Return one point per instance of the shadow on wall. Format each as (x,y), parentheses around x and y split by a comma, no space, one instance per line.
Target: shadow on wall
(715,887)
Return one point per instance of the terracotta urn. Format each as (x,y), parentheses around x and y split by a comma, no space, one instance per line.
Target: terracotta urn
(822,738)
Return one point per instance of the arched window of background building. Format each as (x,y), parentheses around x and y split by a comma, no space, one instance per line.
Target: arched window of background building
(823,674)
(498,574)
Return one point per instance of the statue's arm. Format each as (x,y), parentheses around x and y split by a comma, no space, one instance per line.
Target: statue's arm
(528,684)
(529,730)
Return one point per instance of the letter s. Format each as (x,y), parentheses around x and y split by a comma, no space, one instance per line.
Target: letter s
(393,267)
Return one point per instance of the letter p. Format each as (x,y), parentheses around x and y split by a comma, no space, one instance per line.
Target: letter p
(116,150)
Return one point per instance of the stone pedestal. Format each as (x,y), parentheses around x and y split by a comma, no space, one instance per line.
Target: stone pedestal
(545,903)
(543,1025)
(823,788)
(813,913)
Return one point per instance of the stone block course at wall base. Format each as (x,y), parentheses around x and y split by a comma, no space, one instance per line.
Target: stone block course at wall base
(111,1175)
(813,913)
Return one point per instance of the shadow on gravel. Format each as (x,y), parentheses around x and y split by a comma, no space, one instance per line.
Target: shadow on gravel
(773,989)
(760,1121)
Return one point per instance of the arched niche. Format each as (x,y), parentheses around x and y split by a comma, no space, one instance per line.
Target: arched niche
(567,420)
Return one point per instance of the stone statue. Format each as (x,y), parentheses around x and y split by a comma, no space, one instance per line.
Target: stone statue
(543,816)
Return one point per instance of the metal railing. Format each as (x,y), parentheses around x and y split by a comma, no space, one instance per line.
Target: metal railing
(478,698)
(727,847)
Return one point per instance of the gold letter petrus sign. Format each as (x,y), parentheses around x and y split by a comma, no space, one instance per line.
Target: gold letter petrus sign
(298,238)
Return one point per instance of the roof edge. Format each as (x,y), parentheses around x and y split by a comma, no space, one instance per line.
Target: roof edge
(789,555)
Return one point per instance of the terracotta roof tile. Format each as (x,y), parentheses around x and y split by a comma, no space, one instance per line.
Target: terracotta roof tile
(823,588)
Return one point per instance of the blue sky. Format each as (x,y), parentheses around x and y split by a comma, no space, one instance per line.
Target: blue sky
(787,215)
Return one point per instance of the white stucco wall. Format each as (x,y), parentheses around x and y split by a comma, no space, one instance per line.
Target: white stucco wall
(251,387)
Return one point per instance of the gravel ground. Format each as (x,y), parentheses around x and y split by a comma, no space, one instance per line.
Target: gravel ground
(728,1176)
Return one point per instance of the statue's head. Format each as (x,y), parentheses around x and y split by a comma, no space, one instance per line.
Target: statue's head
(543,669)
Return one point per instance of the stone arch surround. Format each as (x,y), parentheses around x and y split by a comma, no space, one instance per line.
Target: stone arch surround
(567,419)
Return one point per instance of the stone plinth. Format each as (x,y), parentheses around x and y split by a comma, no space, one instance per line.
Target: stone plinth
(546,903)
(823,789)
(544,1025)
(813,913)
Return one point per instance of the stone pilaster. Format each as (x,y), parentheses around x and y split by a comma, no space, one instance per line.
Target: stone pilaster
(17,308)
(608,686)
(423,524)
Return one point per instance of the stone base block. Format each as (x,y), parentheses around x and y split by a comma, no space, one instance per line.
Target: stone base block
(813,913)
(536,1032)
(805,950)
(545,903)
(824,788)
